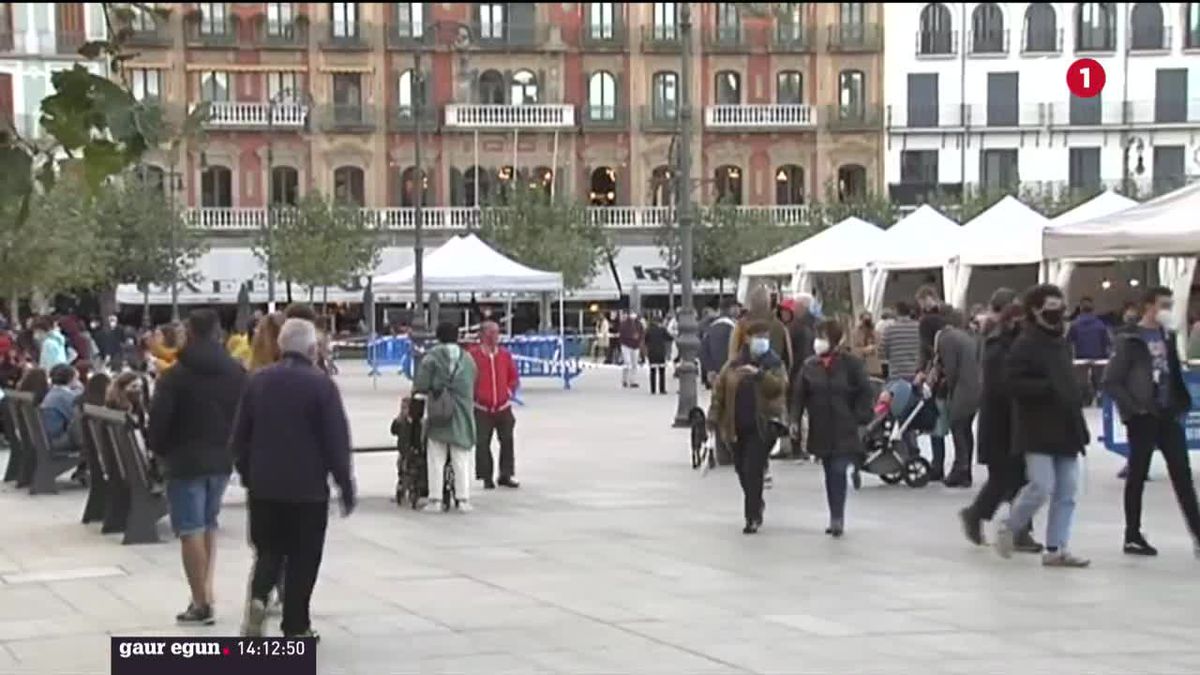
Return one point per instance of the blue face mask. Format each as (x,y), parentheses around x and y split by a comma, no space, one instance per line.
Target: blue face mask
(759,346)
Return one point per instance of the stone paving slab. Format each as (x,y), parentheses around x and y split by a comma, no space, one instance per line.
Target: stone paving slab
(616,557)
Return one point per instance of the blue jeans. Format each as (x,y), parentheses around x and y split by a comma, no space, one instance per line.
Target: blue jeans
(1054,478)
(195,502)
(835,485)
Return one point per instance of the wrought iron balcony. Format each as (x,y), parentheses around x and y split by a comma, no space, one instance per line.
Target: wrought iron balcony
(352,36)
(281,35)
(661,39)
(211,32)
(855,37)
(793,38)
(600,117)
(348,118)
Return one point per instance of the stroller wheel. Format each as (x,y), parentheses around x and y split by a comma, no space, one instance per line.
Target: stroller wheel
(891,478)
(916,472)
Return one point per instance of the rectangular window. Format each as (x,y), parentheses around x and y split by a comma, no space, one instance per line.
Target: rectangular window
(1084,170)
(789,87)
(1003,100)
(852,105)
(600,20)
(1168,168)
(214,18)
(214,86)
(1170,95)
(491,21)
(145,85)
(665,96)
(345,19)
(923,100)
(281,18)
(347,90)
(919,167)
(141,19)
(729,88)
(410,19)
(998,170)
(1085,111)
(666,21)
(283,87)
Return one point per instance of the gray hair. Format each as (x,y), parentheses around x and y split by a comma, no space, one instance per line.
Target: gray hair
(298,336)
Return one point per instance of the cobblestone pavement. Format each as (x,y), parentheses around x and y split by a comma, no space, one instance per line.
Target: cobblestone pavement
(615,557)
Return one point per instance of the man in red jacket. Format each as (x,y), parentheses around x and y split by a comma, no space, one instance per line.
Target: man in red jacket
(496,381)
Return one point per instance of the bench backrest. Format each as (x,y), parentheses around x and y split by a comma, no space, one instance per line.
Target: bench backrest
(8,410)
(29,419)
(93,444)
(106,425)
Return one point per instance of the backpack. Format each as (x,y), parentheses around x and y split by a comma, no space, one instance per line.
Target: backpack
(440,406)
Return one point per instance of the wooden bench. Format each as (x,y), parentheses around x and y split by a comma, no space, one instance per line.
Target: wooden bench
(116,496)
(43,465)
(96,506)
(147,504)
(12,433)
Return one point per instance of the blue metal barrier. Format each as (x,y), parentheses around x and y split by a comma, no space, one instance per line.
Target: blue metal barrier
(535,356)
(1114,431)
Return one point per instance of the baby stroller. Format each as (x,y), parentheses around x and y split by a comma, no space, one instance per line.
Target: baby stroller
(412,479)
(902,411)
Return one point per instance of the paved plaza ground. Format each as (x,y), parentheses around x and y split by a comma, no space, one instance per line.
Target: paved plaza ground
(615,557)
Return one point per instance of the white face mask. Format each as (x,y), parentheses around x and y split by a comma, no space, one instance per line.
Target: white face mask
(821,346)
(759,346)
(1166,319)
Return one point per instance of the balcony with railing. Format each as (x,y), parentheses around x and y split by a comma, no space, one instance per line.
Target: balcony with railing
(725,39)
(212,32)
(987,43)
(852,118)
(404,118)
(925,116)
(148,31)
(933,44)
(256,115)
(792,38)
(760,117)
(604,117)
(408,34)
(855,37)
(661,39)
(1007,115)
(660,118)
(349,118)
(509,37)
(281,34)
(607,36)
(497,116)
(347,37)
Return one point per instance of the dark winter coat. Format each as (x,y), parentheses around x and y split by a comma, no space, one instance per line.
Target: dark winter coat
(838,400)
(110,342)
(770,387)
(1089,337)
(994,435)
(802,333)
(1047,402)
(658,343)
(192,411)
(1129,378)
(714,347)
(958,355)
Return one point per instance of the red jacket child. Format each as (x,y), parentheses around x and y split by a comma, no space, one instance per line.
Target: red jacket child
(496,377)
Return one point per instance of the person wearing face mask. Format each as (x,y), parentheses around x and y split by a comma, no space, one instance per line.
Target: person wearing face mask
(833,388)
(1145,380)
(747,409)
(1048,426)
(865,344)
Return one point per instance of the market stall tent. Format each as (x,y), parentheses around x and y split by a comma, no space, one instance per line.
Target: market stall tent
(1059,271)
(1007,235)
(466,264)
(923,240)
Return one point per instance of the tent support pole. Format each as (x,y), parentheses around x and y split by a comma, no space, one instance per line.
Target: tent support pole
(562,339)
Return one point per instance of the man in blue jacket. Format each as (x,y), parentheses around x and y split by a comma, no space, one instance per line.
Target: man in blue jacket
(1091,341)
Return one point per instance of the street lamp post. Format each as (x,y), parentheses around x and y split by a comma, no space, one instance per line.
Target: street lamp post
(172,243)
(689,337)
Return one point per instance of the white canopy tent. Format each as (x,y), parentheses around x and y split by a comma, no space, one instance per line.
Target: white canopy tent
(1007,234)
(845,247)
(1059,270)
(923,240)
(1167,228)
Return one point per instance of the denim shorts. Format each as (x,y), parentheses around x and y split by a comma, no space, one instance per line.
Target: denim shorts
(195,503)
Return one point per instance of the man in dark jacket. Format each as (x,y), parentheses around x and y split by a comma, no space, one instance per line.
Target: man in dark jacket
(1006,469)
(289,437)
(957,357)
(1145,380)
(1048,425)
(191,415)
(110,340)
(1090,339)
(658,346)
(714,347)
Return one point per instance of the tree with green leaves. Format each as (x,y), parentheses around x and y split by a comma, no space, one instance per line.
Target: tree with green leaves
(319,244)
(549,235)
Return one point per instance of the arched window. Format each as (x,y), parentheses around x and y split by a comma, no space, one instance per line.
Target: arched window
(1191,38)
(602,96)
(524,88)
(602,187)
(936,33)
(407,94)
(1146,26)
(285,186)
(407,191)
(216,187)
(852,182)
(729,22)
(789,87)
(851,95)
(1041,28)
(664,95)
(662,186)
(348,186)
(728,182)
(728,87)
(477,186)
(789,185)
(1095,26)
(491,88)
(987,30)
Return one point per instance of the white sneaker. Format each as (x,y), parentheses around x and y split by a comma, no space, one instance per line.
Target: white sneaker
(432,506)
(256,615)
(464,506)
(1064,559)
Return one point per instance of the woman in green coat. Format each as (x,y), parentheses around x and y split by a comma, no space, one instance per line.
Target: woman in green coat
(448,368)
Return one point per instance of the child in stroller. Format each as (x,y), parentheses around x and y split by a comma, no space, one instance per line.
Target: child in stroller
(902,411)
(412,462)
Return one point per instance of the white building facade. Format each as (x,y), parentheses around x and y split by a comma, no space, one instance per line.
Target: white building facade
(976,96)
(37,39)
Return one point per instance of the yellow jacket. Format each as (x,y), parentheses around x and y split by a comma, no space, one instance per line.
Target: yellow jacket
(164,357)
(238,346)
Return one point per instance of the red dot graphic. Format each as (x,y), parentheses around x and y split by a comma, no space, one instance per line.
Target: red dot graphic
(225,651)
(1085,78)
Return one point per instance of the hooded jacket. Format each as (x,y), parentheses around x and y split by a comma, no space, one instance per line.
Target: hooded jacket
(192,412)
(1129,378)
(714,346)
(496,380)
(54,350)
(449,368)
(771,394)
(1089,337)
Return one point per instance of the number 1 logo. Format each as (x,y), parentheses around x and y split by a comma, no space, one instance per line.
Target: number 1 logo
(1085,78)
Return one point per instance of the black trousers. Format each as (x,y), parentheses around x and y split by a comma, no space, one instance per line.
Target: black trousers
(1005,478)
(1145,433)
(964,447)
(750,460)
(289,538)
(502,424)
(658,377)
